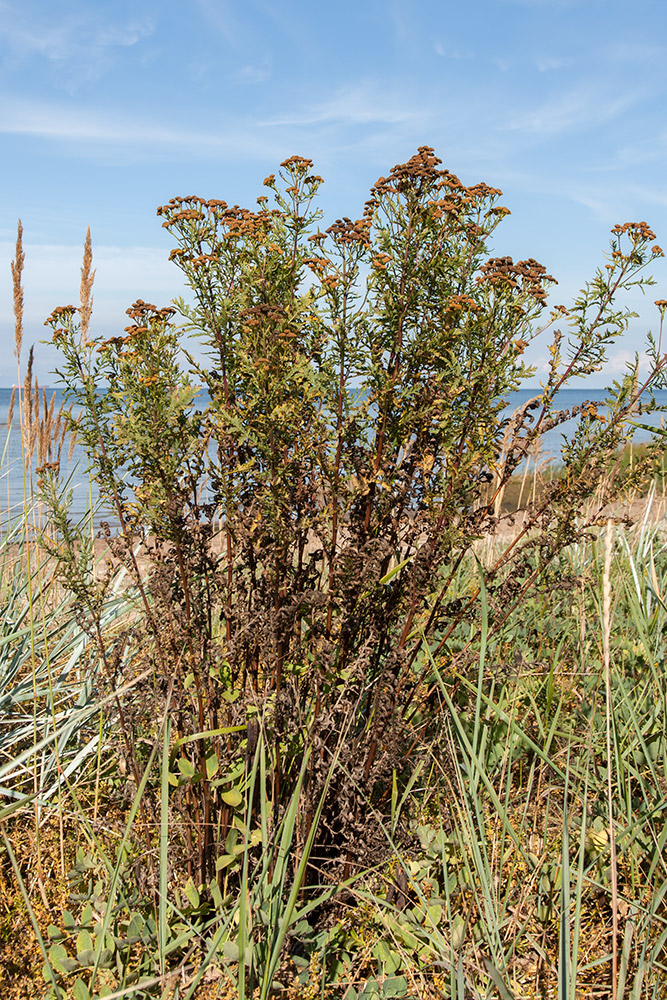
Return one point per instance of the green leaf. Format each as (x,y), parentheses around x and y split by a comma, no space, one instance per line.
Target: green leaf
(212,764)
(84,942)
(106,959)
(186,767)
(395,986)
(61,961)
(223,861)
(216,895)
(458,931)
(191,893)
(397,569)
(233,798)
(230,951)
(79,990)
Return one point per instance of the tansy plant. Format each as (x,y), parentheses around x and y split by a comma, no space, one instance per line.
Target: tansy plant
(293,526)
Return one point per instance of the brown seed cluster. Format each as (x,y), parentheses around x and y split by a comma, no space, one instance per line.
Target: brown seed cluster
(439,194)
(345,231)
(423,166)
(319,265)
(44,429)
(140,310)
(297,164)
(635,230)
(60,313)
(526,275)
(59,319)
(380,261)
(263,313)
(146,317)
(461,303)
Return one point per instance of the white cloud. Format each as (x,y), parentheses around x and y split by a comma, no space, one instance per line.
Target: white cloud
(355,105)
(574,109)
(80,46)
(253,74)
(142,137)
(546,64)
(636,52)
(219,15)
(57,121)
(452,52)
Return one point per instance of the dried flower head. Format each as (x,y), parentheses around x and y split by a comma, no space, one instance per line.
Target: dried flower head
(87,279)
(17,271)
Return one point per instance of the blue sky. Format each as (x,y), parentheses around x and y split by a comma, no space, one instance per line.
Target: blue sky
(108,109)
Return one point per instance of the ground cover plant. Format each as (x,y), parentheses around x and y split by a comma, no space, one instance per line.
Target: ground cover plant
(346,730)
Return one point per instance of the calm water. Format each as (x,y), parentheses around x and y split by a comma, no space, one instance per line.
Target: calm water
(11,470)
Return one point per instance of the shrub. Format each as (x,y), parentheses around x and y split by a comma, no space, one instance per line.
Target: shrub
(305,517)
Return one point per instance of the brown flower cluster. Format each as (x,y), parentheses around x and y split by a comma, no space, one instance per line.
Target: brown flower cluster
(345,231)
(263,313)
(459,303)
(297,164)
(145,316)
(60,313)
(141,310)
(320,265)
(237,221)
(635,230)
(526,275)
(423,166)
(380,261)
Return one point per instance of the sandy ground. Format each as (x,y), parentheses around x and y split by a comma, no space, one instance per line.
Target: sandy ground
(651,512)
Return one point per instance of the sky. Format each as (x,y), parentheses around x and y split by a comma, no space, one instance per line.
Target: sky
(110,108)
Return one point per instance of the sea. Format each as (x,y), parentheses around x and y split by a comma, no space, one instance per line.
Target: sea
(14,488)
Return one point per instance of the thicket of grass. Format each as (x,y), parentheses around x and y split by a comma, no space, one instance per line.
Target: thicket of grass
(535,859)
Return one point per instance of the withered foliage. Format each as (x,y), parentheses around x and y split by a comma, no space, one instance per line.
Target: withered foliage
(293,536)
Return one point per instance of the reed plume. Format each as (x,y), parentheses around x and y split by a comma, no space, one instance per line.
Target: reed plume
(10,411)
(85,294)
(17,270)
(29,429)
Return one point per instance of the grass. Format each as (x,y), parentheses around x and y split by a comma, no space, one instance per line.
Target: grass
(525,856)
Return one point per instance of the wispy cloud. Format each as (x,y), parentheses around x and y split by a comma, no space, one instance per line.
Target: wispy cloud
(219,14)
(142,136)
(363,104)
(80,46)
(446,51)
(546,64)
(636,52)
(53,121)
(253,74)
(572,110)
